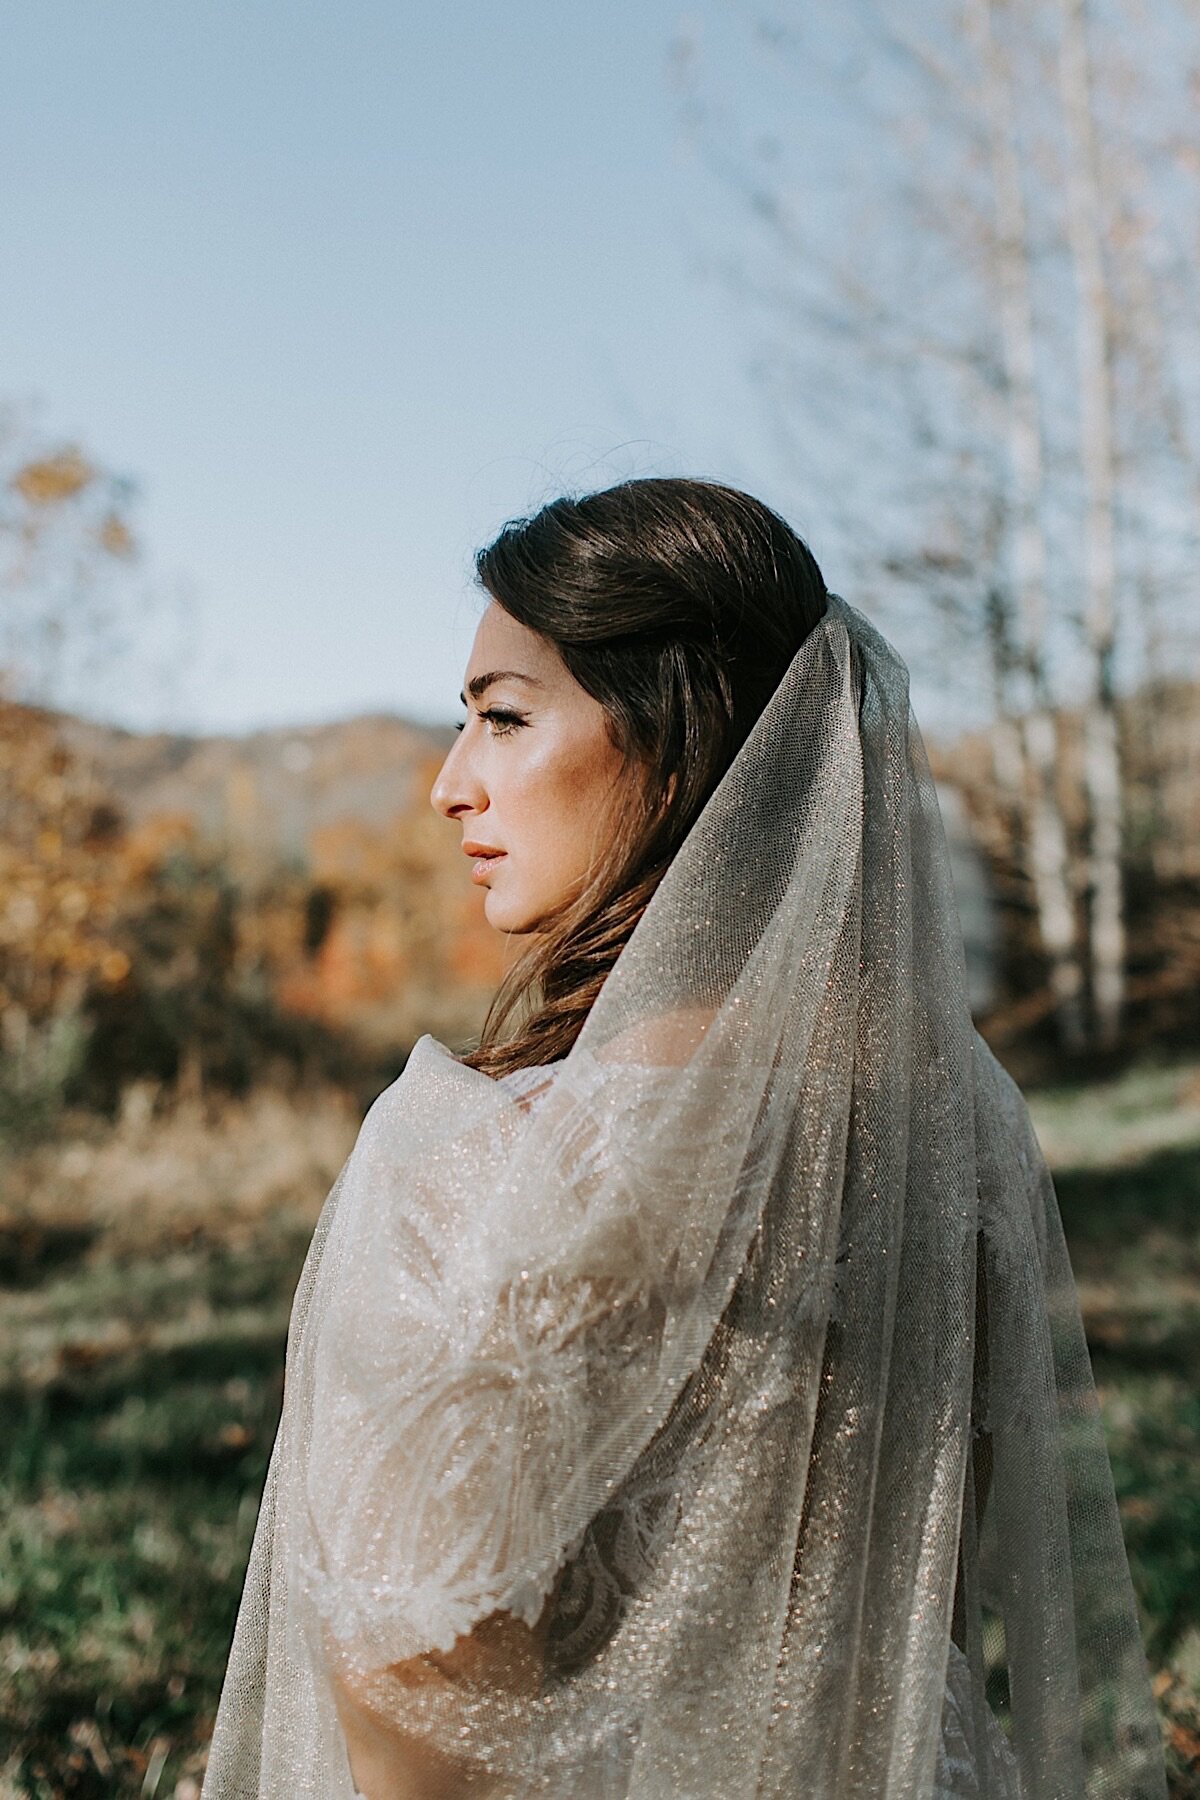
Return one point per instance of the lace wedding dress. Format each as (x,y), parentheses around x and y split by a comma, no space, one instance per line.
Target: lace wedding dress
(621,1547)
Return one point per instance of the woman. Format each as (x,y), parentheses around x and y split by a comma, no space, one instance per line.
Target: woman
(686,1392)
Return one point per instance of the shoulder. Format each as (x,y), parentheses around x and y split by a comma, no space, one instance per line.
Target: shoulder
(660,1040)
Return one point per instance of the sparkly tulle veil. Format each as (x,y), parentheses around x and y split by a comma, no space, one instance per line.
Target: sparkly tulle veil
(737,1354)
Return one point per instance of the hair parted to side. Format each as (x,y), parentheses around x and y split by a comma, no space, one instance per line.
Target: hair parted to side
(678,605)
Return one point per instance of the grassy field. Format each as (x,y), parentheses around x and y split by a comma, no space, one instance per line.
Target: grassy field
(146,1271)
(1126,1156)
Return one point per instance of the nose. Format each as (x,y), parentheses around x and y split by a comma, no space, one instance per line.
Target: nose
(457,789)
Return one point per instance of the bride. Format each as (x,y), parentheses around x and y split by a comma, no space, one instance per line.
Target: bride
(686,1392)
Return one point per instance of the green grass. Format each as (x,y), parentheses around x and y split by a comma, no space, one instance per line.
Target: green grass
(1126,1155)
(140,1387)
(138,1402)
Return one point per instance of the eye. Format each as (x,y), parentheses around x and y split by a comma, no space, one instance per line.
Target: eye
(502,722)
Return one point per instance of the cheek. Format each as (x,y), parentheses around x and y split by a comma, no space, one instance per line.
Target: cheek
(584,802)
(561,800)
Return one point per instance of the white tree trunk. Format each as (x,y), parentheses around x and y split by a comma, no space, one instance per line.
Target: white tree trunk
(1102,758)
(1044,827)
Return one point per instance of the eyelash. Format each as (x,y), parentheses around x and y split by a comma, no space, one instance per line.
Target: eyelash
(498,716)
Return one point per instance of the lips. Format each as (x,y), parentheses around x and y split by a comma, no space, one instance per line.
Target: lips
(485,857)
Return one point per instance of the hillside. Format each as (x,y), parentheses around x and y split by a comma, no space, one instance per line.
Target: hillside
(346,803)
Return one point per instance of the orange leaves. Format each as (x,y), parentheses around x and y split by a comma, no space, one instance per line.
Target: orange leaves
(58,892)
(49,480)
(114,536)
(114,966)
(61,476)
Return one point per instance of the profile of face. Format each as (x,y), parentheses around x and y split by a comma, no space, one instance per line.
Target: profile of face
(534,779)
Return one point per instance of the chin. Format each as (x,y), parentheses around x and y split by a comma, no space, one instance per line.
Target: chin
(504,913)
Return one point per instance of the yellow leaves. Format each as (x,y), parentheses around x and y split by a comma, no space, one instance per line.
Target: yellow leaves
(56,944)
(20,916)
(114,536)
(114,967)
(49,480)
(58,889)
(72,902)
(148,844)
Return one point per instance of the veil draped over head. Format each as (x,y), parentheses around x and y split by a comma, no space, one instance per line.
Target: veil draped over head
(737,1354)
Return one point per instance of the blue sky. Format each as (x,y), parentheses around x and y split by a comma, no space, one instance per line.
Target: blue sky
(343,287)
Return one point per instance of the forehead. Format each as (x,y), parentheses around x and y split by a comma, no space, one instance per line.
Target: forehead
(502,642)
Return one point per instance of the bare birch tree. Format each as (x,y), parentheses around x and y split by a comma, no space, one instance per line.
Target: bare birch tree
(1093,330)
(1045,830)
(1033,369)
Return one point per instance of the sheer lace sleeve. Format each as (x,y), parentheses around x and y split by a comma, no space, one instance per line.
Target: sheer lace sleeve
(484,1328)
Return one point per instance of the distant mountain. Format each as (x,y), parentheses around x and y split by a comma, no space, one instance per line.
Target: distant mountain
(263,794)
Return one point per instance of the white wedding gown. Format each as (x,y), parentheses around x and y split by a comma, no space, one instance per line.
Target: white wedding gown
(957,1776)
(638,1525)
(600,1571)
(598,1584)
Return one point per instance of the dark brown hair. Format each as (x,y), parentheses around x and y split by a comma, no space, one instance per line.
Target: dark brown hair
(678,605)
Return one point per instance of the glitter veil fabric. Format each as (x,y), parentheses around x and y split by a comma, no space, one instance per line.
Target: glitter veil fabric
(736,1356)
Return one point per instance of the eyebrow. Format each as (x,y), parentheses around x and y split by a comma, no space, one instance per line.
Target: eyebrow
(478,683)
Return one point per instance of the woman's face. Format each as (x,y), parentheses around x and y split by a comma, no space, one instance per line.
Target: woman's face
(534,777)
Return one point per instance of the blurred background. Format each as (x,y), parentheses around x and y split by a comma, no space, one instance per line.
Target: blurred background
(300,303)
